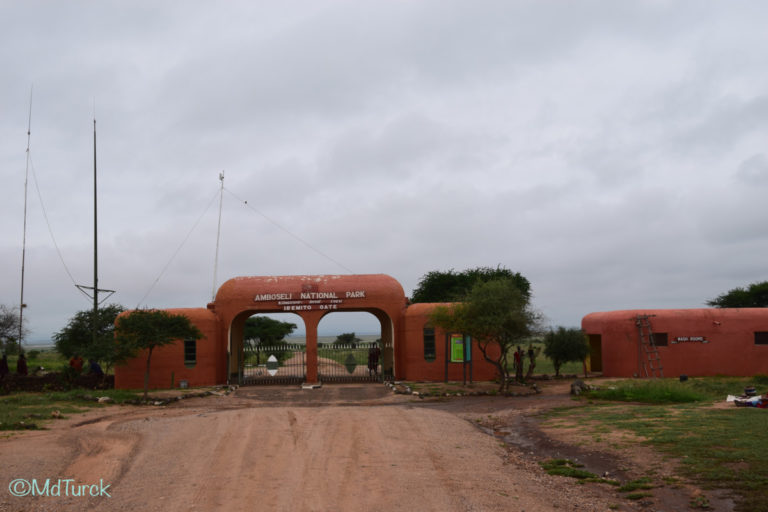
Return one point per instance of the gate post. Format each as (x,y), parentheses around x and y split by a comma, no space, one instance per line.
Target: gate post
(311,319)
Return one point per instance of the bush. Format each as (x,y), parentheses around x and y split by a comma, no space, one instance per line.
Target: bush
(649,392)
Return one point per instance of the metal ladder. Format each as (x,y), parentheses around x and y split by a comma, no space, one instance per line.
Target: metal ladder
(650,360)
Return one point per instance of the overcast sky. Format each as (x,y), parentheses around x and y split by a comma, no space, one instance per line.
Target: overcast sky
(614,153)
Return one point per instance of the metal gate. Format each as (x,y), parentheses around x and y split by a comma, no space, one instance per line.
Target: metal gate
(282,363)
(349,362)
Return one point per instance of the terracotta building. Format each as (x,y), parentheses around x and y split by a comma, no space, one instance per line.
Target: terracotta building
(409,347)
(674,342)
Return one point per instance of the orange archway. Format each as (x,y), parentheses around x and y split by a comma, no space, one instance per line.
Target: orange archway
(311,298)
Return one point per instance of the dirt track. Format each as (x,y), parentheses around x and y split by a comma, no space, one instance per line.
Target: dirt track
(337,448)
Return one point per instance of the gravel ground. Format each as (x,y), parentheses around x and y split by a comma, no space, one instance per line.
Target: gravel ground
(332,449)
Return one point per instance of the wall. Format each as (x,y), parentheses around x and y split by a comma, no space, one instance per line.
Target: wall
(238,298)
(729,349)
(167,362)
(416,367)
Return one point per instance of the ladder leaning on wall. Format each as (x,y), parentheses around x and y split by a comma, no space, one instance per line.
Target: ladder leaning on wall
(650,360)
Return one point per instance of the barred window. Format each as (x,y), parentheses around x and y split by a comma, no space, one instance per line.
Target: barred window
(429,344)
(190,352)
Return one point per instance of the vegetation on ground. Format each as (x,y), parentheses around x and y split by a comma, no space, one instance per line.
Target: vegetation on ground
(32,411)
(716,447)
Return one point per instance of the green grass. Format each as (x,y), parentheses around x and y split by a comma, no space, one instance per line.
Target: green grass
(670,391)
(31,411)
(49,359)
(655,391)
(570,469)
(544,365)
(717,448)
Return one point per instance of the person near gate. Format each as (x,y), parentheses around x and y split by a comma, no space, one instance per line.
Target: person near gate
(373,359)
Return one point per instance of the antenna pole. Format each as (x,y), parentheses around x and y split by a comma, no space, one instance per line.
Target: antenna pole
(95,242)
(24,237)
(218,237)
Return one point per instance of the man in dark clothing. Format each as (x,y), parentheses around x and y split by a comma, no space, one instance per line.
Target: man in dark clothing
(4,370)
(373,359)
(95,369)
(21,365)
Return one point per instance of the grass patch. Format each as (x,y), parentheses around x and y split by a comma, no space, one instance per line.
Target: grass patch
(717,448)
(644,483)
(32,411)
(570,469)
(49,359)
(638,495)
(656,391)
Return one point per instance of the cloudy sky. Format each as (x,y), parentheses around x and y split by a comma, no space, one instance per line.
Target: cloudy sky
(615,153)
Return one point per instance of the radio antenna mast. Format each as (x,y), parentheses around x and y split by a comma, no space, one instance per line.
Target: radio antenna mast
(218,237)
(24,237)
(95,287)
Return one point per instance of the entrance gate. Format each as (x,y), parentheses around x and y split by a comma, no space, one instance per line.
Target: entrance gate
(282,363)
(347,363)
(285,363)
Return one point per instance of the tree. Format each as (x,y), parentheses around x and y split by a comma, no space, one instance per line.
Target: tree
(452,286)
(565,345)
(754,296)
(9,329)
(267,332)
(145,329)
(497,315)
(77,337)
(347,338)
(263,330)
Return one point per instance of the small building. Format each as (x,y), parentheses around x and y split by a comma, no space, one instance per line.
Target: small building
(410,347)
(693,342)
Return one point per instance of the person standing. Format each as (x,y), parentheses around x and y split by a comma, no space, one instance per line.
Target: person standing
(373,359)
(76,363)
(4,370)
(21,364)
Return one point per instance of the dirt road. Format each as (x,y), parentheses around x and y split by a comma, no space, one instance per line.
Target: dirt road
(334,449)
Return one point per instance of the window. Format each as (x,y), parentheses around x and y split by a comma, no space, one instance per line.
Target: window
(761,338)
(660,339)
(429,344)
(190,353)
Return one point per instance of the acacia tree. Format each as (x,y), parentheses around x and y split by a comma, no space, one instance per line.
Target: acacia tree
(497,315)
(9,329)
(347,338)
(565,345)
(146,329)
(266,332)
(753,296)
(452,286)
(77,337)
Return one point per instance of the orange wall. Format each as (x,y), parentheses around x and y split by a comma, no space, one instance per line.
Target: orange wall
(383,296)
(167,362)
(415,367)
(730,347)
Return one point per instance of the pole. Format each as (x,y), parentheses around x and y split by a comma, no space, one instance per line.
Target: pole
(94,327)
(24,238)
(218,237)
